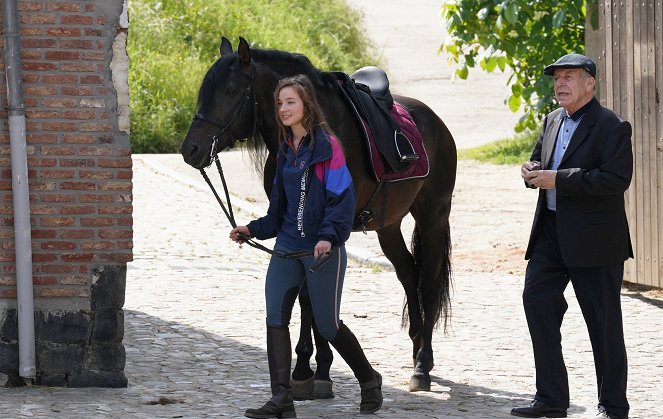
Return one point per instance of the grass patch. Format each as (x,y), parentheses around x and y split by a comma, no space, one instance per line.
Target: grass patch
(171,45)
(513,150)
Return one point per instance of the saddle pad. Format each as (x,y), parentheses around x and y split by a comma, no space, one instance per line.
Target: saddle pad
(419,168)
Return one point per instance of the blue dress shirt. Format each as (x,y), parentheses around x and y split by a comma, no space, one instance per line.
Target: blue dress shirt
(564,135)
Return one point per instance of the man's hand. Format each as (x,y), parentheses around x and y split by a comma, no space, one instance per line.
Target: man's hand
(528,166)
(544,179)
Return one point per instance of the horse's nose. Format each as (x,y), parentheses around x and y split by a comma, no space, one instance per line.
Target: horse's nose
(188,150)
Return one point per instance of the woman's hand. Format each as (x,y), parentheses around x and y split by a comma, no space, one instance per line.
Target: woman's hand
(321,247)
(240,234)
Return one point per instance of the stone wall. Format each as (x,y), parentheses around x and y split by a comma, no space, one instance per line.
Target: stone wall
(74,71)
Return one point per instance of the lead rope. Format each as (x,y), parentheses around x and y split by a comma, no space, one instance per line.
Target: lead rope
(231,218)
(228,211)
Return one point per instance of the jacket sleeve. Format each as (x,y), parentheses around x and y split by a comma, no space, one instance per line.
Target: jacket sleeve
(611,176)
(536,152)
(340,196)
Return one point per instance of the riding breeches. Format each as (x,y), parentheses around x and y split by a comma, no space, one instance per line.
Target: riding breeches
(285,277)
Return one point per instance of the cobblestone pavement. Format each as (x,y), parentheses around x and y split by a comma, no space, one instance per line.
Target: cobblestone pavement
(195,334)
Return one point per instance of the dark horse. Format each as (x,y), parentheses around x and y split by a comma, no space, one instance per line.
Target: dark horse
(235,102)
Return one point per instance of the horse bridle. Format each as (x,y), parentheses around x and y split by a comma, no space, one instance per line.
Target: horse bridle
(214,157)
(225,128)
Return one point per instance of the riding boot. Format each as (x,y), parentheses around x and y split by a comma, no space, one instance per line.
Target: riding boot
(279,356)
(370,381)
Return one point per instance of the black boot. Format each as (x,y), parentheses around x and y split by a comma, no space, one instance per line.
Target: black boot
(370,381)
(279,356)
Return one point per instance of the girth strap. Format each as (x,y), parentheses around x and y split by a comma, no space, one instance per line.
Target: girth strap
(367,214)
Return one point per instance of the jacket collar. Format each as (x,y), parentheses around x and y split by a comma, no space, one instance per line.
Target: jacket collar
(322,150)
(590,111)
(582,111)
(550,136)
(582,132)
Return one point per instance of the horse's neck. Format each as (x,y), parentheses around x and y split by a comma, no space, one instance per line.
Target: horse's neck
(338,114)
(269,72)
(283,66)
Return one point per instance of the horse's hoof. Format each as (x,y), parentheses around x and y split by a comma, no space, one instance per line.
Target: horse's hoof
(420,381)
(302,389)
(322,390)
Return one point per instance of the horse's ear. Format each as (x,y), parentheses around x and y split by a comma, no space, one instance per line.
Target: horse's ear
(244,52)
(226,47)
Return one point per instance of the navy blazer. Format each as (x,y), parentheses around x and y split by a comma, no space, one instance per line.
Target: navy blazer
(591,180)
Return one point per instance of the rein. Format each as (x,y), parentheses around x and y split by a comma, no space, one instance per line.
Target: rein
(231,217)
(214,157)
(319,261)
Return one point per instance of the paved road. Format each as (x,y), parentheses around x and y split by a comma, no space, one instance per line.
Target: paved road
(408,36)
(194,323)
(194,332)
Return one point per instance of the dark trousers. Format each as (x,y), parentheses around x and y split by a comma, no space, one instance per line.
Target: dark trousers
(598,292)
(285,277)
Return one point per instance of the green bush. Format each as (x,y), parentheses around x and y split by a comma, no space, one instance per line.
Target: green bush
(172,43)
(522,36)
(508,151)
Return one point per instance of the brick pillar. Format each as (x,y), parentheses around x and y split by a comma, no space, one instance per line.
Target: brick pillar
(79,166)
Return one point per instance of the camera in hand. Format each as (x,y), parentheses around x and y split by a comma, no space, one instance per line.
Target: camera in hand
(536,165)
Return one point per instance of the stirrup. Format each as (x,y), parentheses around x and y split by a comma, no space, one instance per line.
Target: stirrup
(406,158)
(404,148)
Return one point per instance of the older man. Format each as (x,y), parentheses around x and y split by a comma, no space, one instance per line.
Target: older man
(582,164)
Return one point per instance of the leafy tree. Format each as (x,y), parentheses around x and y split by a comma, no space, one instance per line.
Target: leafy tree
(521,35)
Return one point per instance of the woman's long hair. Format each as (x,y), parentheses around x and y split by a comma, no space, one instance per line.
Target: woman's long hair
(313,115)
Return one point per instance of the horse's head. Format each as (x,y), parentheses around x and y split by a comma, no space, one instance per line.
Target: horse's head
(225,106)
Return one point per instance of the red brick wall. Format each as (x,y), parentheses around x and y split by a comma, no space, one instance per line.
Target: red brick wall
(79,158)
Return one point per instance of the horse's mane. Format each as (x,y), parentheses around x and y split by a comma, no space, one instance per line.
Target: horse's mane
(283,64)
(287,63)
(293,63)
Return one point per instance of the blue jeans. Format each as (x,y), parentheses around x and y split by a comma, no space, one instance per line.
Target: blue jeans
(285,278)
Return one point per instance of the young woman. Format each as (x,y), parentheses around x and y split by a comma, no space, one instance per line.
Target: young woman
(311,208)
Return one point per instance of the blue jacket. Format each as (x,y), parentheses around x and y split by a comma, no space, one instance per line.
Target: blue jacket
(330,197)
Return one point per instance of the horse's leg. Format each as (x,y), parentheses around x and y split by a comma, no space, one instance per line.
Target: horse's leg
(394,248)
(323,358)
(302,376)
(431,249)
(305,384)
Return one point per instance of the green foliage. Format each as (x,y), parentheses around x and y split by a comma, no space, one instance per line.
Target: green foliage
(172,43)
(521,35)
(508,151)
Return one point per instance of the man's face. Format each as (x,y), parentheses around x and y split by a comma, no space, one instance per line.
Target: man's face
(574,87)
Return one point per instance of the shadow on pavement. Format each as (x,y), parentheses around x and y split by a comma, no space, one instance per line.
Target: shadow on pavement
(173,368)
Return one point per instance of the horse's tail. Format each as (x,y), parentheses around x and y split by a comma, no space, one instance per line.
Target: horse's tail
(441,307)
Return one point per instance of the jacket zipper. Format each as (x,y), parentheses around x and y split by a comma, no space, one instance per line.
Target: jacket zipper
(302,202)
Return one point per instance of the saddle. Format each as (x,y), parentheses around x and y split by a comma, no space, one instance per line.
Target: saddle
(392,138)
(367,91)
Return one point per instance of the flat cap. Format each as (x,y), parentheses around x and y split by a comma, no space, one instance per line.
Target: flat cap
(572,60)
